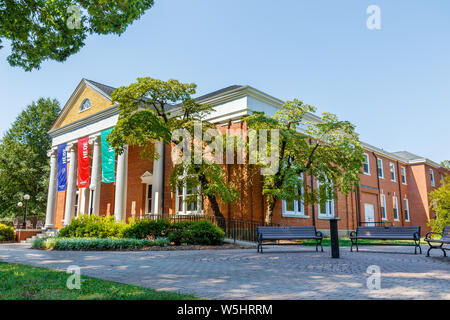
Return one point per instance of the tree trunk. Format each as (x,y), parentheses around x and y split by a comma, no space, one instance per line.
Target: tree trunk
(269,210)
(215,207)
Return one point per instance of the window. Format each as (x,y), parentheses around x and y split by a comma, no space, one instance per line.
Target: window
(406,210)
(77,199)
(395,209)
(442,179)
(383,207)
(366,164)
(380,168)
(403,175)
(326,208)
(148,199)
(185,204)
(392,168)
(295,207)
(86,104)
(432,177)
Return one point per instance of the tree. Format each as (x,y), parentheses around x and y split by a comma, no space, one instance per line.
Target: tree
(445,164)
(24,164)
(41,29)
(440,203)
(150,111)
(328,150)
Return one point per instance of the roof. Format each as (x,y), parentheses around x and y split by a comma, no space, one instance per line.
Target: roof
(408,155)
(108,90)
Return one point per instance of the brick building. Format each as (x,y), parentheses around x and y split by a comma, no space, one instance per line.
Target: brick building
(394,186)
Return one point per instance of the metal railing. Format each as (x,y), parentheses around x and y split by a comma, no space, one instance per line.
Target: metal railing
(235,229)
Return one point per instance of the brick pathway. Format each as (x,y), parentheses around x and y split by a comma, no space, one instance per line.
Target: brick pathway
(279,273)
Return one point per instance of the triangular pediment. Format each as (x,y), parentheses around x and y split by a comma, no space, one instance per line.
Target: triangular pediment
(87,94)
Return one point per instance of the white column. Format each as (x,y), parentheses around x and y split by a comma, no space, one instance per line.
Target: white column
(71,184)
(121,186)
(84,200)
(96,176)
(158,179)
(51,198)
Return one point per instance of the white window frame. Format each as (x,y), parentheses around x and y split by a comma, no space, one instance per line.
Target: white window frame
(367,161)
(433,182)
(384,209)
(82,104)
(329,206)
(184,205)
(396,209)
(403,172)
(394,176)
(406,203)
(147,199)
(380,168)
(298,212)
(442,179)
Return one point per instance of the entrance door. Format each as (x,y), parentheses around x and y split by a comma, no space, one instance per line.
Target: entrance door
(369,214)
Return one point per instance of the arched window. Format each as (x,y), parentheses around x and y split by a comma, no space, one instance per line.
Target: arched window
(86,104)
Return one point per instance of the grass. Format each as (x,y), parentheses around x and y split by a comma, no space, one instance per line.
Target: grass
(22,282)
(346,242)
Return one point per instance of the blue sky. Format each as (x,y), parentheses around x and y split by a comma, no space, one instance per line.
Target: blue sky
(393,83)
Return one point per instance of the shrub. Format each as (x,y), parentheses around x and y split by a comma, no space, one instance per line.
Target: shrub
(6,233)
(144,229)
(93,227)
(201,232)
(96,243)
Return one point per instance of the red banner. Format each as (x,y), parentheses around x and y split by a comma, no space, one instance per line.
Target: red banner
(83,162)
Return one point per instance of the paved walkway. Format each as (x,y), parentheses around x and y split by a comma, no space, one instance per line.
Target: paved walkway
(279,273)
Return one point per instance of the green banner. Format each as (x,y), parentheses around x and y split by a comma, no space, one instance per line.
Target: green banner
(108,159)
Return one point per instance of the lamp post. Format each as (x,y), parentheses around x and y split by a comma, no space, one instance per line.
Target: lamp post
(26,198)
(19,206)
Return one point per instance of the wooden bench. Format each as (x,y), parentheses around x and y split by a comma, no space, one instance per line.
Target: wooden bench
(445,239)
(288,233)
(386,233)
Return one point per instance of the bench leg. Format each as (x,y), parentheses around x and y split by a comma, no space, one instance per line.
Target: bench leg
(417,245)
(436,247)
(319,243)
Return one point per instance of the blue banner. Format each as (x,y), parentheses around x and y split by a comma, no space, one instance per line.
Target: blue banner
(62,167)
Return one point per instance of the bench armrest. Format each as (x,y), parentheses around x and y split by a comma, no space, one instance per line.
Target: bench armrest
(416,236)
(353,234)
(319,234)
(430,233)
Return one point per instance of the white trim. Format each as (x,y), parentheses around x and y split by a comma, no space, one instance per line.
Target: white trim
(396,208)
(403,170)
(407,209)
(393,175)
(432,179)
(368,164)
(380,167)
(298,212)
(329,206)
(384,209)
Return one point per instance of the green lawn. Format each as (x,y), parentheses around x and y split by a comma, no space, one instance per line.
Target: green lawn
(345,242)
(22,282)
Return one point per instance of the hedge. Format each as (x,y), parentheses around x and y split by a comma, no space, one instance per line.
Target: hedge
(6,233)
(96,243)
(201,232)
(93,226)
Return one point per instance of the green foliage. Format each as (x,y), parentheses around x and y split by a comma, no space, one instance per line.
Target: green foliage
(147,117)
(93,226)
(446,164)
(96,243)
(327,149)
(440,203)
(147,228)
(7,233)
(201,232)
(41,29)
(24,164)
